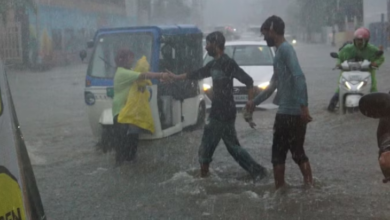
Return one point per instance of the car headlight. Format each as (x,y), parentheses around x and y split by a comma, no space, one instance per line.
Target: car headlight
(206,87)
(263,85)
(294,41)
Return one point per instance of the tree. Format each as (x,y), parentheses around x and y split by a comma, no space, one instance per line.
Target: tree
(6,5)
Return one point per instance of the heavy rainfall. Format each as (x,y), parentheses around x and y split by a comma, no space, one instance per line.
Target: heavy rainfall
(120,103)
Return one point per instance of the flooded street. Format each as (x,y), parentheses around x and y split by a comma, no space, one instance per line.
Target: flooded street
(78,182)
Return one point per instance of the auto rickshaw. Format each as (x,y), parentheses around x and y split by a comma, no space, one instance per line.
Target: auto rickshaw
(175,105)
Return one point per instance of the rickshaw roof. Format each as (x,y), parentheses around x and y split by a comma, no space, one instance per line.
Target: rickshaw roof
(162,29)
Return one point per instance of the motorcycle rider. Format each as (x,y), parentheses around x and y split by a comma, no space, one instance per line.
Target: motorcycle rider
(360,49)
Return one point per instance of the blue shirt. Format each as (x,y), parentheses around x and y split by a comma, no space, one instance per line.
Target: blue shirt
(289,81)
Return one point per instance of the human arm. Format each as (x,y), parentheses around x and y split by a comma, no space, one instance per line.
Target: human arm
(239,74)
(300,88)
(346,53)
(266,93)
(199,74)
(376,61)
(153,75)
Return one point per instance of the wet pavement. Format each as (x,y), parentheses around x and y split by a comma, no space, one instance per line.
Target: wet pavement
(78,182)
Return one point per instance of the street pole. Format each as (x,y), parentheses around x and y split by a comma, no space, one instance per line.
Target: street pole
(382,30)
(334,30)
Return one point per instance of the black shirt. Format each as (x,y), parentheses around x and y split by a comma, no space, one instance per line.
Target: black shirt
(222,70)
(383,135)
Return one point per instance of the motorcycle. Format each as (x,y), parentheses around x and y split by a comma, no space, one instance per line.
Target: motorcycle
(354,83)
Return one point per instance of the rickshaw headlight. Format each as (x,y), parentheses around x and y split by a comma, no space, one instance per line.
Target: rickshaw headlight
(89,98)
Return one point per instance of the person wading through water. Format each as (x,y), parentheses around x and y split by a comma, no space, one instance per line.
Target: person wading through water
(221,122)
(293,114)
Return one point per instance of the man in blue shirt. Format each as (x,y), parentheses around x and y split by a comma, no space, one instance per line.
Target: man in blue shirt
(293,114)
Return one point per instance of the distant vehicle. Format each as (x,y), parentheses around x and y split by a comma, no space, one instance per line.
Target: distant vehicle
(252,32)
(255,58)
(291,39)
(355,82)
(230,32)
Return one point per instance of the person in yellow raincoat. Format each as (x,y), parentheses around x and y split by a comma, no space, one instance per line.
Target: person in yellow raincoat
(127,134)
(137,110)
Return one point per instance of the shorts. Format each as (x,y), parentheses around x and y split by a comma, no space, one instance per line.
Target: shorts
(289,135)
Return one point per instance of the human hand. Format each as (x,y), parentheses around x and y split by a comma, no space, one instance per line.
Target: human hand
(167,77)
(164,77)
(250,106)
(338,66)
(373,64)
(305,115)
(252,124)
(171,75)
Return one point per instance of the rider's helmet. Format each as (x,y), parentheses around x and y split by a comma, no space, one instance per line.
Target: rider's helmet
(361,37)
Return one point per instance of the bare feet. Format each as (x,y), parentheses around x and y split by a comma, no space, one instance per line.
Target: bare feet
(204,170)
(279,176)
(306,173)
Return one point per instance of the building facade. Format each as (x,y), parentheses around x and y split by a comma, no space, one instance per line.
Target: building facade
(60,29)
(377,19)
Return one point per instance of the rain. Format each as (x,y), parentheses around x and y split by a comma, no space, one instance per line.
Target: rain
(60,59)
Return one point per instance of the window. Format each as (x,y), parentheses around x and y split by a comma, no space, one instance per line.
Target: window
(103,60)
(168,57)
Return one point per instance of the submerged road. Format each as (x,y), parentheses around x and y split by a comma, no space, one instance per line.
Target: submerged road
(78,182)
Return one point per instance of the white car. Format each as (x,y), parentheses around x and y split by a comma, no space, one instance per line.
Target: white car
(256,59)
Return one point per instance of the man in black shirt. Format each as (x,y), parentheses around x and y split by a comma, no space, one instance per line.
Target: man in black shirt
(377,105)
(221,123)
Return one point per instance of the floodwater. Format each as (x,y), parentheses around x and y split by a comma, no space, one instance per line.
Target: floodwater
(78,182)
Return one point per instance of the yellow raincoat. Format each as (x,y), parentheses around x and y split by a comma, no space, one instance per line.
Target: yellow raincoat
(137,110)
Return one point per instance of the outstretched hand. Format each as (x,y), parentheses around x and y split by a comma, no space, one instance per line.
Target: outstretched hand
(167,76)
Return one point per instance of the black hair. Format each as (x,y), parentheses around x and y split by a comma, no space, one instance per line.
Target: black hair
(274,23)
(217,38)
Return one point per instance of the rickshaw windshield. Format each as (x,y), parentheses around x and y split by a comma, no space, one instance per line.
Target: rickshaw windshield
(103,61)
